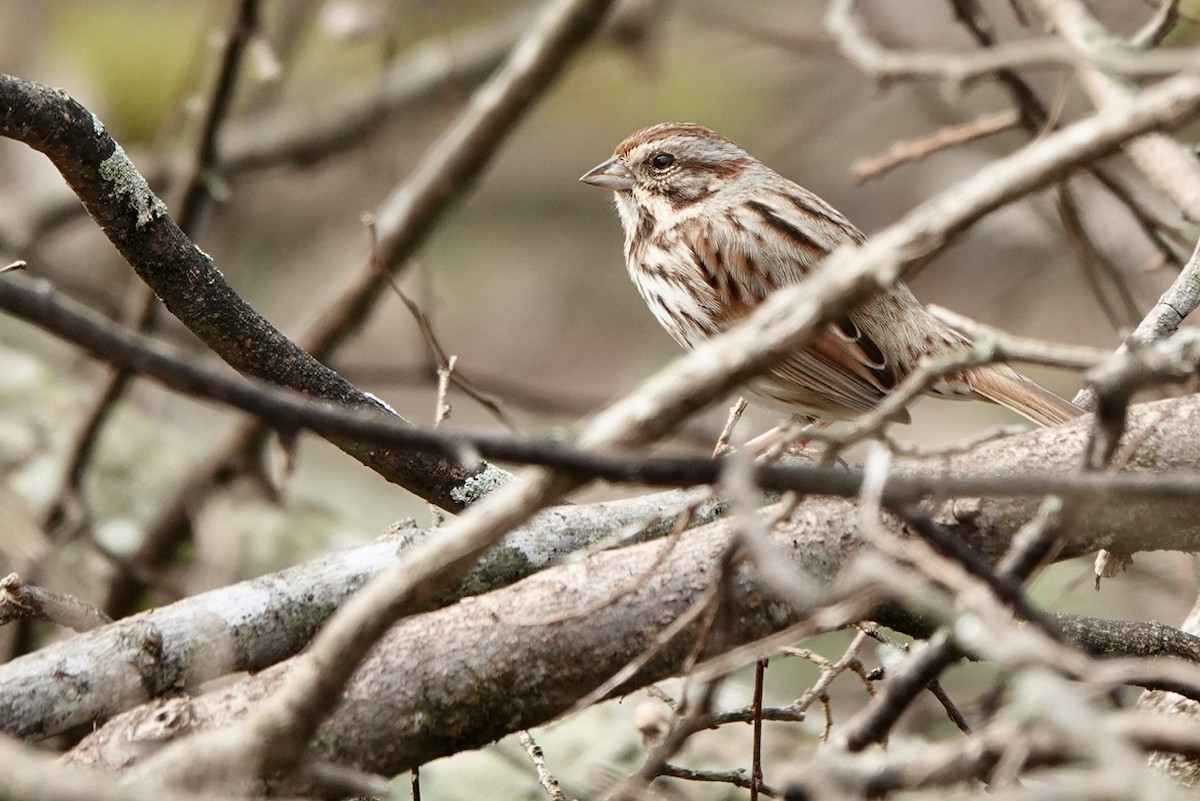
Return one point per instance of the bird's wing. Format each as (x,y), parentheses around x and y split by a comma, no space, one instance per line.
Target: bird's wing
(839,373)
(842,371)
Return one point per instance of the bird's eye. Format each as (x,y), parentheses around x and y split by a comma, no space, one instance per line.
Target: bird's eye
(661,161)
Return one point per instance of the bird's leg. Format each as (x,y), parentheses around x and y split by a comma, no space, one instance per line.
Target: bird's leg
(785,438)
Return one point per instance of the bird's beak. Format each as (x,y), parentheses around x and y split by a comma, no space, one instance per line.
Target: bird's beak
(612,174)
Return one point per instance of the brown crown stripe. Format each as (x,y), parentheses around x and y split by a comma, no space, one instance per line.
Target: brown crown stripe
(668,129)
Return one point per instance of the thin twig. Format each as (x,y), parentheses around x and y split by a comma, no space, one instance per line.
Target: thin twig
(445,370)
(830,671)
(685,726)
(1122,313)
(669,543)
(756,707)
(695,613)
(545,777)
(19,601)
(956,717)
(735,414)
(1028,350)
(735,778)
(910,150)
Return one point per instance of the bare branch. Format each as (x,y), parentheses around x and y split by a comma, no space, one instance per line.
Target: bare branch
(545,777)
(20,601)
(1180,300)
(950,136)
(962,68)
(1165,162)
(495,653)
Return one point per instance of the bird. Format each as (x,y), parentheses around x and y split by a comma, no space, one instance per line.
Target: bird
(711,232)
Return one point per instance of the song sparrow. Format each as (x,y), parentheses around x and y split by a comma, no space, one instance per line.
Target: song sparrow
(710,231)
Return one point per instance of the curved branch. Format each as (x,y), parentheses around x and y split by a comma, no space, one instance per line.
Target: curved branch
(254,624)
(517,657)
(184,277)
(1170,362)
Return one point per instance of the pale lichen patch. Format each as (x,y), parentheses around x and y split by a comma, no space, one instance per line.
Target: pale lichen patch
(118,170)
(483,483)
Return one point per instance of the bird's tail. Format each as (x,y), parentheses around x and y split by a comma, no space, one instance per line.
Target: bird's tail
(1001,384)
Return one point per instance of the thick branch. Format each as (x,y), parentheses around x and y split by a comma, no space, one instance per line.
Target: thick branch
(517,657)
(254,624)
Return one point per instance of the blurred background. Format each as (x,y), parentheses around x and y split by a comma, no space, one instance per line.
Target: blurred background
(524,280)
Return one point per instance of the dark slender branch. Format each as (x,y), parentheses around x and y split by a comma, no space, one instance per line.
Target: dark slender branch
(756,771)
(1101,637)
(736,778)
(1005,585)
(291,412)
(184,277)
(925,665)
(952,711)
